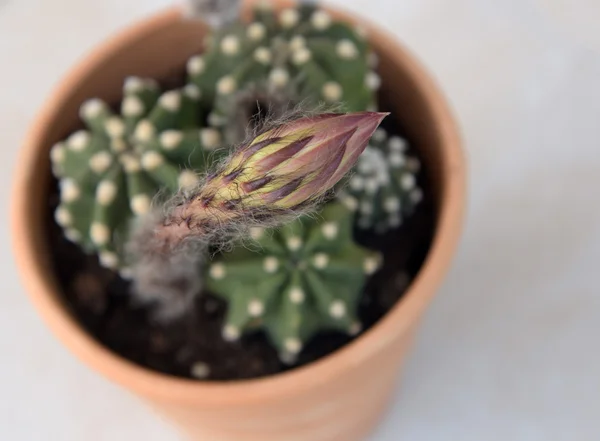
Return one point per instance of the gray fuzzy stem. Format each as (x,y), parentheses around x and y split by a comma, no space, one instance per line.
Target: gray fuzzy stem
(166,262)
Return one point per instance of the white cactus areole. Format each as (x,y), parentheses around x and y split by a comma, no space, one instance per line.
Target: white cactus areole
(294,281)
(110,172)
(299,54)
(383,189)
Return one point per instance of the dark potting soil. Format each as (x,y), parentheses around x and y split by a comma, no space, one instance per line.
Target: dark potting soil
(193,347)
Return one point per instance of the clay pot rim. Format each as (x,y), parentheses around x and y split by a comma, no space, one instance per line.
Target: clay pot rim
(45,295)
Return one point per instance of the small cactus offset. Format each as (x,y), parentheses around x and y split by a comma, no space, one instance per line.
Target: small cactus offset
(383,189)
(110,172)
(296,55)
(295,281)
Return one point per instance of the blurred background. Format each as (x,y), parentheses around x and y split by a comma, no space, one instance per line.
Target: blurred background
(509,349)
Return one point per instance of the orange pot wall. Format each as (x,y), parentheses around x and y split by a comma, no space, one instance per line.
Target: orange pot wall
(338,398)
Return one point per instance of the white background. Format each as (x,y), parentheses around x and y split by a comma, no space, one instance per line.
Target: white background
(510,349)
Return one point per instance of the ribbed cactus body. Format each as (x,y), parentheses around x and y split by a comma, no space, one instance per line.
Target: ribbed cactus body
(295,281)
(299,54)
(383,190)
(110,172)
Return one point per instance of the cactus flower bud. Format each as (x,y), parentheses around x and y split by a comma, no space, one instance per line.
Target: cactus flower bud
(282,169)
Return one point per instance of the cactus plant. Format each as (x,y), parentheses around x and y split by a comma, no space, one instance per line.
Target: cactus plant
(297,55)
(110,172)
(383,188)
(295,281)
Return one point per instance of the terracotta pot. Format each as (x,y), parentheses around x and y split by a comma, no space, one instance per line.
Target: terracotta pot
(341,396)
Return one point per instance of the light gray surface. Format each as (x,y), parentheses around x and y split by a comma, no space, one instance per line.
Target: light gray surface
(509,349)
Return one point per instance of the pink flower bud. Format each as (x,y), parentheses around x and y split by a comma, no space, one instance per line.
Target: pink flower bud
(286,166)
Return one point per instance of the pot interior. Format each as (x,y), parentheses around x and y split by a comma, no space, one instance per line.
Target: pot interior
(161,51)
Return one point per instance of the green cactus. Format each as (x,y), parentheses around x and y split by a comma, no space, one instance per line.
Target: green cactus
(383,189)
(294,281)
(299,54)
(110,172)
